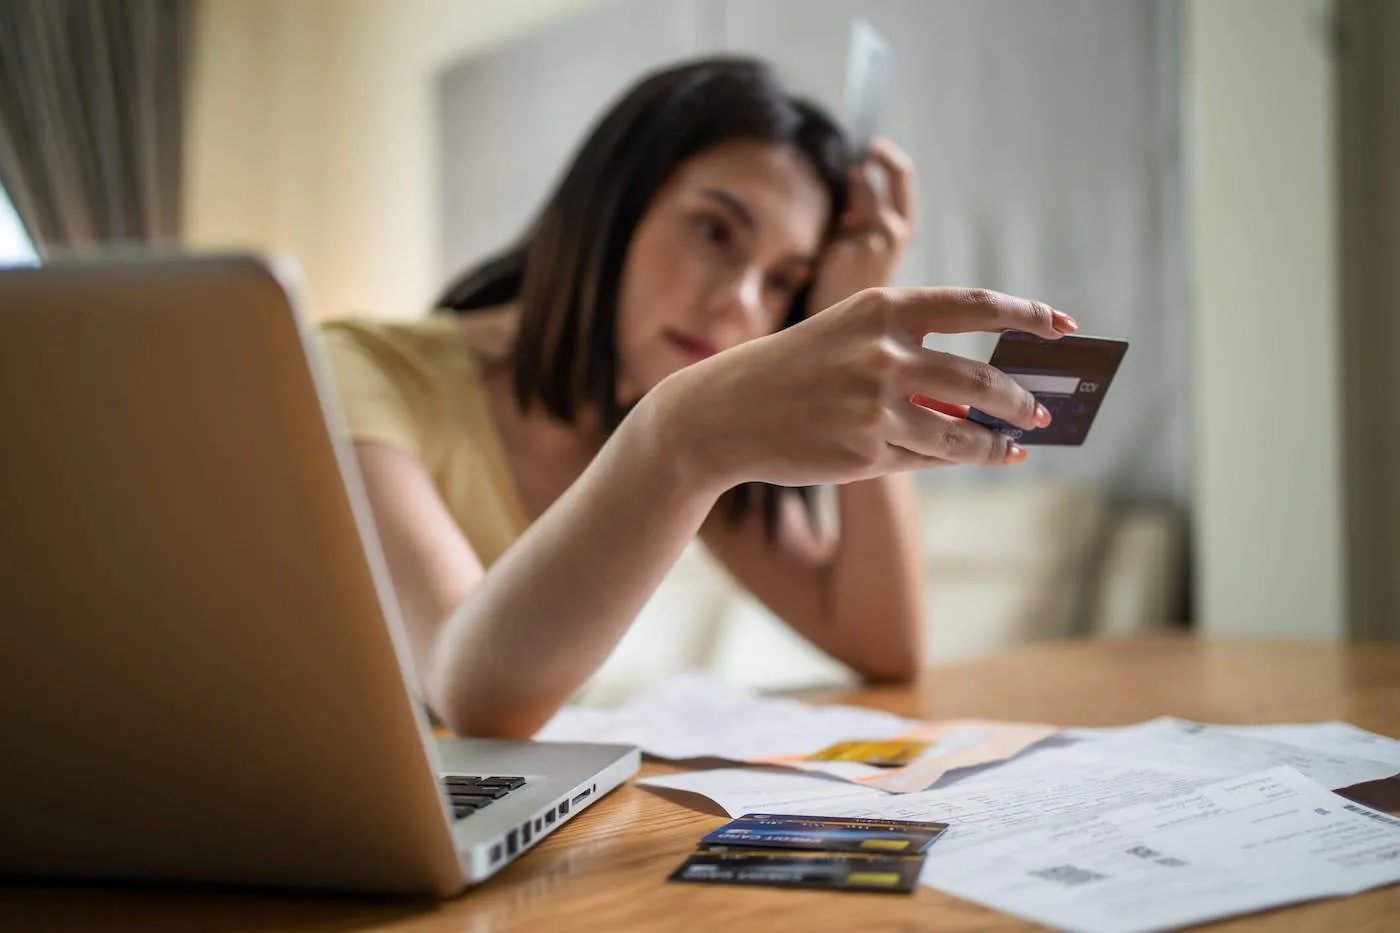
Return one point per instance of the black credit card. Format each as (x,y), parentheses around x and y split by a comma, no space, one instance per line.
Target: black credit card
(1069,376)
(829,871)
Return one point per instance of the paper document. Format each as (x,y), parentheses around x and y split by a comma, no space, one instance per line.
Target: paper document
(1338,738)
(1060,780)
(1042,790)
(1075,842)
(1235,846)
(699,716)
(752,790)
(1334,755)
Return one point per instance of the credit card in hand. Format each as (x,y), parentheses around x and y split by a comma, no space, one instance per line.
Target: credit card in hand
(827,834)
(1069,376)
(869,64)
(832,871)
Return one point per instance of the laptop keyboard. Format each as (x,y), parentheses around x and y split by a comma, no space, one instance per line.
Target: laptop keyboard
(470,794)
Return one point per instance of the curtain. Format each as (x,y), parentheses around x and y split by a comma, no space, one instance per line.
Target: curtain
(91,113)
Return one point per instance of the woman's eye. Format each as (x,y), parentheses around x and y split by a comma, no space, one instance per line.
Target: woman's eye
(713,230)
(784,285)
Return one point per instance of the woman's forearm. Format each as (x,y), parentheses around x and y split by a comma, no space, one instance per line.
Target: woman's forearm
(550,610)
(805,406)
(876,578)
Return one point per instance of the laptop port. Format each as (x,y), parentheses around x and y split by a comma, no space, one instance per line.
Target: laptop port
(526,834)
(539,824)
(582,796)
(549,817)
(496,853)
(563,808)
(512,842)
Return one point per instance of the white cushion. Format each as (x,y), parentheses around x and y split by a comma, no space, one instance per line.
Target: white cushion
(674,632)
(1004,564)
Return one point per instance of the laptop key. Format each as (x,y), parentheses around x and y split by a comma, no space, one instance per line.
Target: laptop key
(479,790)
(461,810)
(510,783)
(461,779)
(465,800)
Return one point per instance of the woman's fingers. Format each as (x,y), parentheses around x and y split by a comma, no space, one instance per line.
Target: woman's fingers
(892,225)
(958,380)
(900,178)
(903,460)
(923,311)
(862,203)
(932,434)
(952,409)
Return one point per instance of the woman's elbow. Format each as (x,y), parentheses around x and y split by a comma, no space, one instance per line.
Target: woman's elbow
(487,722)
(894,671)
(467,713)
(891,663)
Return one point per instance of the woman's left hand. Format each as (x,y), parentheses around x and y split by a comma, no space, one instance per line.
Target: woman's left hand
(873,232)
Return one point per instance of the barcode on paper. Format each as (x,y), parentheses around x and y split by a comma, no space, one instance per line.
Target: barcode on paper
(1068,875)
(1372,814)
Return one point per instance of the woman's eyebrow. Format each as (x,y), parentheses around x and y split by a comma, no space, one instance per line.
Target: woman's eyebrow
(734,204)
(741,211)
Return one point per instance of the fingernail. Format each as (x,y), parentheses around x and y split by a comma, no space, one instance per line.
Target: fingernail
(1042,415)
(1064,323)
(1015,454)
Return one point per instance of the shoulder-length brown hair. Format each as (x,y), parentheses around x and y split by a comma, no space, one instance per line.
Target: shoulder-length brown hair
(565,271)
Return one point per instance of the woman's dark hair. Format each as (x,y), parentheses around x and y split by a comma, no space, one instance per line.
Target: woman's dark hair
(565,272)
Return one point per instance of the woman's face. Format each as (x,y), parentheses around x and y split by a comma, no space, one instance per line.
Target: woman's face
(717,258)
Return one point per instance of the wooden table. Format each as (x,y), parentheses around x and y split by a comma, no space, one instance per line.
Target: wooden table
(607,870)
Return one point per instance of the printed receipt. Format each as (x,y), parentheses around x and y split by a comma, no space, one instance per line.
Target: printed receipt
(1045,789)
(700,716)
(1231,847)
(1334,755)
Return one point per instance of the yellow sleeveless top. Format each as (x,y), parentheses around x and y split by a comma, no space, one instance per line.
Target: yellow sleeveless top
(418,387)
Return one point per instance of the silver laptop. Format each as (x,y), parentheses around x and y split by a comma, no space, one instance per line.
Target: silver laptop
(202,676)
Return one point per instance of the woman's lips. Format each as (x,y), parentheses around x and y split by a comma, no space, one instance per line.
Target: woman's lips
(691,345)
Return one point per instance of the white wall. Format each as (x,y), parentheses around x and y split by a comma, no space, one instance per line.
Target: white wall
(312,130)
(1269,517)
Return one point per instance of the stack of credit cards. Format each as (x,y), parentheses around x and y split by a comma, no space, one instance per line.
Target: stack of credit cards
(822,852)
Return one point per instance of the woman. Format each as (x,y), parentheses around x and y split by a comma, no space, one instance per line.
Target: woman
(692,328)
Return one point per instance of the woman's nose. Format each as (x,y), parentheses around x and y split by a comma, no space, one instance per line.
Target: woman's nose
(741,301)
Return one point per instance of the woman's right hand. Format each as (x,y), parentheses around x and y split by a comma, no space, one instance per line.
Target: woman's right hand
(830,400)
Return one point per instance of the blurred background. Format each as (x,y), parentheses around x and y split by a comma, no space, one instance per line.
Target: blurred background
(1216,180)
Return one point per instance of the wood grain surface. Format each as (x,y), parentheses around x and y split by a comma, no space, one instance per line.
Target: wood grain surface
(607,869)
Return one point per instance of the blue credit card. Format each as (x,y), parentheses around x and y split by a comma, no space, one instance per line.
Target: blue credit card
(1069,376)
(828,834)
